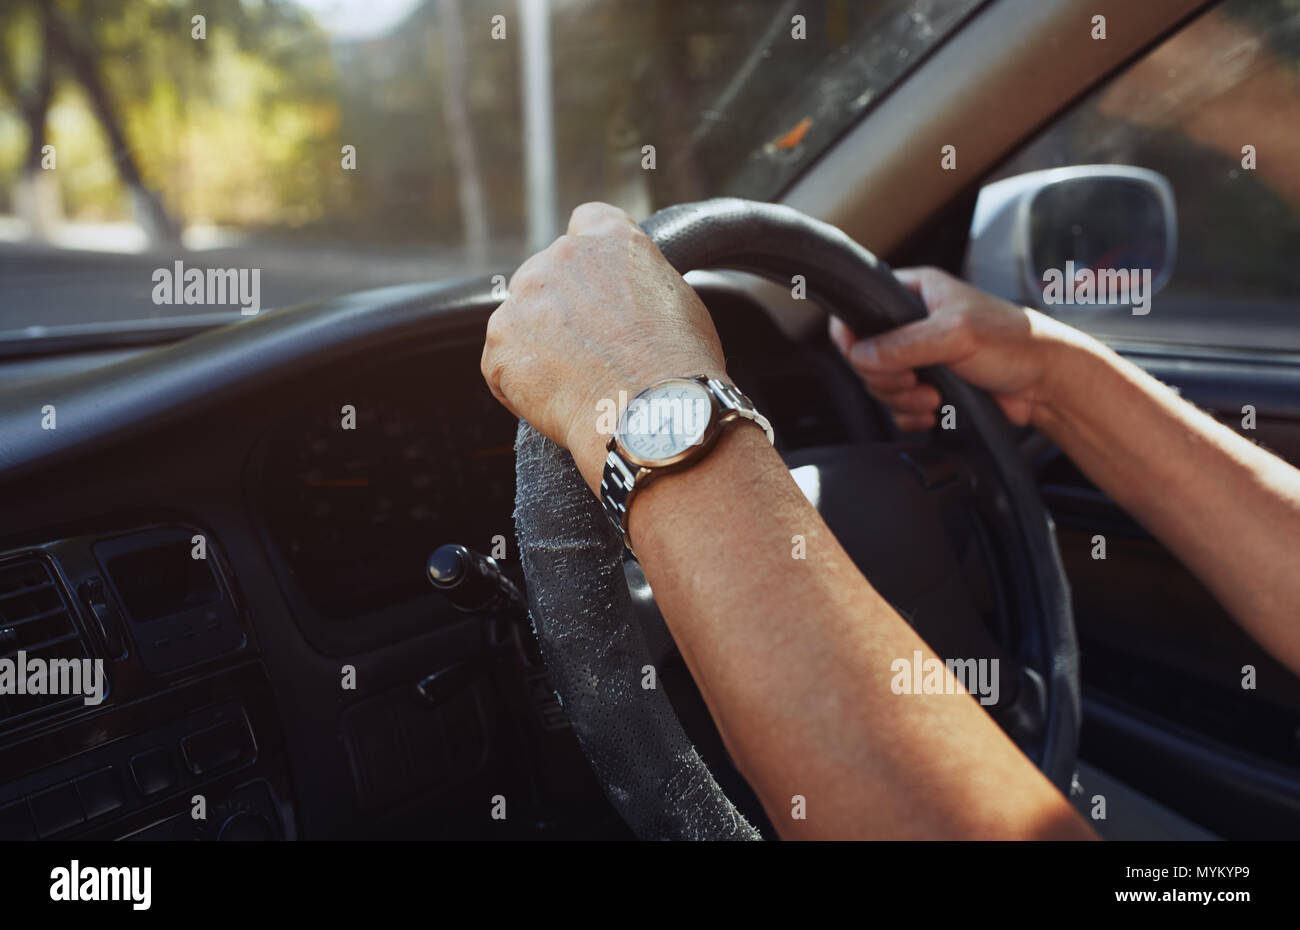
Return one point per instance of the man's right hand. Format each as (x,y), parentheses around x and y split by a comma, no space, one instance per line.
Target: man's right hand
(1009,351)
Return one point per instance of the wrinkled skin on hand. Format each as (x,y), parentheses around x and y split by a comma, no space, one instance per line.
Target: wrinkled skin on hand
(995,345)
(597,312)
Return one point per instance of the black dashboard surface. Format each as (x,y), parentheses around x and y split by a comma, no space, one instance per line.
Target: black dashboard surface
(322,532)
(354,493)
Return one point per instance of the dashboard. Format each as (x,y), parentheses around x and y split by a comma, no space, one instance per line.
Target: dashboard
(284,676)
(357,490)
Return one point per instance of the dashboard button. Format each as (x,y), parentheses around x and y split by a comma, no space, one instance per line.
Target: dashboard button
(16,822)
(56,809)
(153,771)
(213,748)
(100,792)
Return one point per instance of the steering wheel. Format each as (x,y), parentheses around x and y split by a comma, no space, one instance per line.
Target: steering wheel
(594,646)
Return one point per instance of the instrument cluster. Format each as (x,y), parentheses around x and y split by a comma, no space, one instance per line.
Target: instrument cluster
(358,488)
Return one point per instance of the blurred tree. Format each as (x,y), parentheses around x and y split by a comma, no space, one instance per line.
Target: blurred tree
(473,209)
(29,82)
(80,54)
(143,68)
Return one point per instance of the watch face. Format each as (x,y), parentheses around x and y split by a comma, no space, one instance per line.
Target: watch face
(665,420)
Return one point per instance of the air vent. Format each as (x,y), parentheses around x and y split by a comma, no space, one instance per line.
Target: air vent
(34,619)
(803,412)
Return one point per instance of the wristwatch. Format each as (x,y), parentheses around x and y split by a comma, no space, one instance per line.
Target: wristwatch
(667,427)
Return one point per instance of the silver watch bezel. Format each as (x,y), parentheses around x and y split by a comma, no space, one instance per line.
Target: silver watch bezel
(710,433)
(630,474)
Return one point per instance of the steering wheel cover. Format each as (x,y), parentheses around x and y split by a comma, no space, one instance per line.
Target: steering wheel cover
(595,653)
(578,599)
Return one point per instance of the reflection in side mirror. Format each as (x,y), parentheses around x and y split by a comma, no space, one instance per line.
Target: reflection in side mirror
(1083,236)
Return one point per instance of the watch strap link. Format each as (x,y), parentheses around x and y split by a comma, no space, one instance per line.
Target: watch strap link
(616,484)
(731,399)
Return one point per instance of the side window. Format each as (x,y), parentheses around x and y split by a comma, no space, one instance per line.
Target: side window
(1215,109)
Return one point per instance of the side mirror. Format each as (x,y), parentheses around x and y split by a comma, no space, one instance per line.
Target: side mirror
(1087,235)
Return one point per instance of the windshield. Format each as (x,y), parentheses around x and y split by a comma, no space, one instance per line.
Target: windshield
(181,162)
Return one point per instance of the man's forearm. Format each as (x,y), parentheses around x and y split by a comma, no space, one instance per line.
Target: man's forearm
(794,659)
(1228,509)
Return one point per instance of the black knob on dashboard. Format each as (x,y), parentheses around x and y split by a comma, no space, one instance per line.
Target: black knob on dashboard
(447,565)
(473,582)
(246,826)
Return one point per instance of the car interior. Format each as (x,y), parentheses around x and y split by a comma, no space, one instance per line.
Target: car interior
(245,515)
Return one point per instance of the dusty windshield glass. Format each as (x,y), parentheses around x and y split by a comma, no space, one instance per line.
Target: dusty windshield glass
(177,160)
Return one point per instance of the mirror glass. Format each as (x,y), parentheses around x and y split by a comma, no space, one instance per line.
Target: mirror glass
(1099,224)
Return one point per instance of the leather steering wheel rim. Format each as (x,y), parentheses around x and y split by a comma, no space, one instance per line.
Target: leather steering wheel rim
(579,604)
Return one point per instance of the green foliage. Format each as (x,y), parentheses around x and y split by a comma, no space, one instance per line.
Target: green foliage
(236,128)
